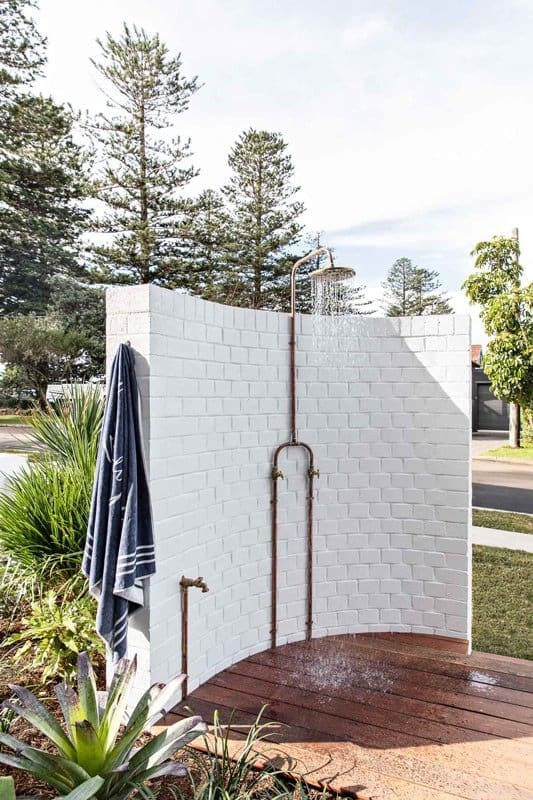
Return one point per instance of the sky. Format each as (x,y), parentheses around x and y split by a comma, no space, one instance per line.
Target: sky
(410,122)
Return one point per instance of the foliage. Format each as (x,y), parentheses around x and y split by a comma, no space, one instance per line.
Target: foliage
(21,47)
(507,313)
(42,186)
(39,352)
(264,218)
(502,520)
(143,170)
(78,306)
(516,453)
(55,633)
(44,514)
(527,425)
(43,520)
(90,744)
(207,248)
(70,430)
(413,291)
(229,775)
(503,601)
(7,788)
(6,720)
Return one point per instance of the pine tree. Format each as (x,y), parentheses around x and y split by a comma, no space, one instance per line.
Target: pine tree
(209,274)
(41,172)
(412,291)
(22,48)
(143,169)
(264,218)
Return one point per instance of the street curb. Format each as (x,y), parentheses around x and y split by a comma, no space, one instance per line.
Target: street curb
(526,462)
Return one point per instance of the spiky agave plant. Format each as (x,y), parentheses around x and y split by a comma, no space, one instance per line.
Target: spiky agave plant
(90,745)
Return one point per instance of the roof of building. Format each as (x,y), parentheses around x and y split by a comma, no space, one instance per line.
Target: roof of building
(476,354)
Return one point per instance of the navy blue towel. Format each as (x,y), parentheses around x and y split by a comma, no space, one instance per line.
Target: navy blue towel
(119,550)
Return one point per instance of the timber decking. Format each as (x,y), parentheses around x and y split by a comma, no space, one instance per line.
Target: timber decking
(382,716)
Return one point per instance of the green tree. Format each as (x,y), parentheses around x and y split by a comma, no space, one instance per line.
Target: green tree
(38,352)
(264,218)
(22,48)
(78,307)
(142,169)
(207,250)
(42,189)
(507,313)
(413,291)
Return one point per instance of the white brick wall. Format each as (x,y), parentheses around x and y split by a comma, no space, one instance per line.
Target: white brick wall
(390,426)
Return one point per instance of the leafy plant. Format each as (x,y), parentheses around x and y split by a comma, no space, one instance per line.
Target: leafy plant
(45,511)
(85,791)
(90,745)
(7,789)
(55,633)
(70,431)
(226,775)
(43,520)
(6,721)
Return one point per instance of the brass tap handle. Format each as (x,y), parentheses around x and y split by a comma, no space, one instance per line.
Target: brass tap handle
(314,472)
(277,473)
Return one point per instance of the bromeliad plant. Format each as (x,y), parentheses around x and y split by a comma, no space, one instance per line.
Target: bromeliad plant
(90,745)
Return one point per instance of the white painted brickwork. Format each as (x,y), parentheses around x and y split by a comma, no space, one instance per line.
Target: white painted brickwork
(390,426)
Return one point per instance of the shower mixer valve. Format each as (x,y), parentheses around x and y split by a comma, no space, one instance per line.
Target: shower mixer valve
(277,473)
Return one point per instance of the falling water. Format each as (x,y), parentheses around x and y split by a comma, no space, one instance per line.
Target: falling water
(334,315)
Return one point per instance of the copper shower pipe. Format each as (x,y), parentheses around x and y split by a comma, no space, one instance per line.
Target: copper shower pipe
(312,472)
(185,585)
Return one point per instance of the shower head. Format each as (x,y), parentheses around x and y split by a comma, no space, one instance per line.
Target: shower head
(332,274)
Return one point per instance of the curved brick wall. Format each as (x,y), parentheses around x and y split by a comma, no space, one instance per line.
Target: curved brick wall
(390,425)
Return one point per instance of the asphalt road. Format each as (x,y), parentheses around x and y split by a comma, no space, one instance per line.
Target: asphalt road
(508,487)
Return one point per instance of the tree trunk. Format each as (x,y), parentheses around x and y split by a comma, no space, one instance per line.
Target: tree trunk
(514,425)
(41,396)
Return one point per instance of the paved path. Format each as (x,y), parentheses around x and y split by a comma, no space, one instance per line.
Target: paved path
(17,438)
(487,440)
(10,464)
(509,539)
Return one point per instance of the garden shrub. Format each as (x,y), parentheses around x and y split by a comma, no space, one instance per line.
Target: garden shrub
(55,633)
(43,521)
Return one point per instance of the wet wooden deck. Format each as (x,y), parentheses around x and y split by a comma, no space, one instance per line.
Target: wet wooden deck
(386,717)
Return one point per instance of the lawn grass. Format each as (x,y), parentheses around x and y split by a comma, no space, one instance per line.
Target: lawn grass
(503,601)
(525,452)
(502,520)
(14,419)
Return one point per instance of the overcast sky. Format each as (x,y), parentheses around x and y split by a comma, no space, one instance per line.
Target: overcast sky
(410,122)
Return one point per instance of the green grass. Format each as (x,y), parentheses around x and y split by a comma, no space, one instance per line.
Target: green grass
(503,601)
(524,452)
(14,419)
(502,520)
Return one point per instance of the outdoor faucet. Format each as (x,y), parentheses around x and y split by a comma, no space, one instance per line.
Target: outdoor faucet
(198,582)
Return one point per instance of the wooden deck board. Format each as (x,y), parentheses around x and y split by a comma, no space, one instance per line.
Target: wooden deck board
(377,717)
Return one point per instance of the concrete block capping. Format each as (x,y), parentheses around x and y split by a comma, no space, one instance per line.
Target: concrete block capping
(389,421)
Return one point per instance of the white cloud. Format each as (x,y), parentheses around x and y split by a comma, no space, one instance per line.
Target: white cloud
(360,33)
(429,125)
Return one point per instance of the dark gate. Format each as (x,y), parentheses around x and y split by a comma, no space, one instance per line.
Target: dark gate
(489,413)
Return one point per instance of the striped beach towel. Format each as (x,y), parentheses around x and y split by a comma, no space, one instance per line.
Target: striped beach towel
(119,549)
